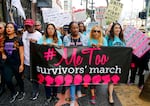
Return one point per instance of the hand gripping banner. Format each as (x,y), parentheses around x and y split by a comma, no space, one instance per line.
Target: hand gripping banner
(79,65)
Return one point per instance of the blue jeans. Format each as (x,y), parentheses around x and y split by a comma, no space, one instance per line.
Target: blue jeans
(73,89)
(27,74)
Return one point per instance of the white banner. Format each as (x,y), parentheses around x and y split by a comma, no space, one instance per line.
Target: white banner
(17,4)
(100,13)
(51,15)
(79,15)
(113,11)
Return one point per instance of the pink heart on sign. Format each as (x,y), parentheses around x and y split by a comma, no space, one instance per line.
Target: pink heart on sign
(68,80)
(115,79)
(77,79)
(40,78)
(49,80)
(106,79)
(96,79)
(87,79)
(59,80)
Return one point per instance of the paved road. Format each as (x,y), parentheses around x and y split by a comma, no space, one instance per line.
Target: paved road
(101,93)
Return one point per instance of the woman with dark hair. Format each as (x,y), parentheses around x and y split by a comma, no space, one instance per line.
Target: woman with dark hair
(75,38)
(50,38)
(82,28)
(14,62)
(115,38)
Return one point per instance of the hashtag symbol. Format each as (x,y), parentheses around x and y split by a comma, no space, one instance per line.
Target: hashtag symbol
(49,54)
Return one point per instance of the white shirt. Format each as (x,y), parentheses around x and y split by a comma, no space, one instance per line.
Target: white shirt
(25,38)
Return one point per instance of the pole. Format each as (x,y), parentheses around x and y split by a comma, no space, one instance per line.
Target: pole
(86,6)
(71,8)
(92,11)
(81,3)
(33,9)
(131,12)
(11,13)
(147,13)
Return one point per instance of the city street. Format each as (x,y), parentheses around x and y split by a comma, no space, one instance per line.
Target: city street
(101,93)
(102,45)
(124,95)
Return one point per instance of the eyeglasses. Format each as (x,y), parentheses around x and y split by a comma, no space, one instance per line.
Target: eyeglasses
(37,25)
(96,31)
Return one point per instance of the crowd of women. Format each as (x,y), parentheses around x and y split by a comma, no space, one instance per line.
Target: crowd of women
(15,57)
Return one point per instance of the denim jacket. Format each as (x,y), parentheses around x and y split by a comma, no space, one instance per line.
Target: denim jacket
(67,40)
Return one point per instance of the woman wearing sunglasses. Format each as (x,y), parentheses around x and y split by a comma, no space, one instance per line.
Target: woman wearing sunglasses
(96,37)
(96,40)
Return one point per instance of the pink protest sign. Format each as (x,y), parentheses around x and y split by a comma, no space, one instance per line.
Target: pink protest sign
(137,40)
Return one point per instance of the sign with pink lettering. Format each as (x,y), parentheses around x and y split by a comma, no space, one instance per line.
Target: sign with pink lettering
(79,65)
(100,12)
(137,40)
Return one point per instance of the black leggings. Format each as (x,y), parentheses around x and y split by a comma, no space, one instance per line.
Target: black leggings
(50,91)
(10,71)
(2,84)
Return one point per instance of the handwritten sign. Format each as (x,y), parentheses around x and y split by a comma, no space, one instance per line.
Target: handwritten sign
(79,15)
(56,17)
(137,40)
(89,26)
(113,11)
(100,13)
(79,65)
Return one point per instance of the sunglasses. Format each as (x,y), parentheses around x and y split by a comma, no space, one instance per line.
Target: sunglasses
(96,31)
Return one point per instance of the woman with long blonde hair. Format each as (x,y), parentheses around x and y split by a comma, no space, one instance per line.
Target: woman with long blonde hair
(96,39)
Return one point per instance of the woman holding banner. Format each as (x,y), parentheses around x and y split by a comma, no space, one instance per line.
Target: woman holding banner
(50,38)
(115,38)
(96,39)
(75,38)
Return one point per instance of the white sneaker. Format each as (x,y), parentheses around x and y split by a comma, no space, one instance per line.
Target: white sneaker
(72,103)
(13,98)
(79,94)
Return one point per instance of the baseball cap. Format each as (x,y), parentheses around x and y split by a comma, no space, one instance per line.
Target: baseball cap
(29,22)
(66,27)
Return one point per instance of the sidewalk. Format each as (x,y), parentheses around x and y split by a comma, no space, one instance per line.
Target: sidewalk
(129,95)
